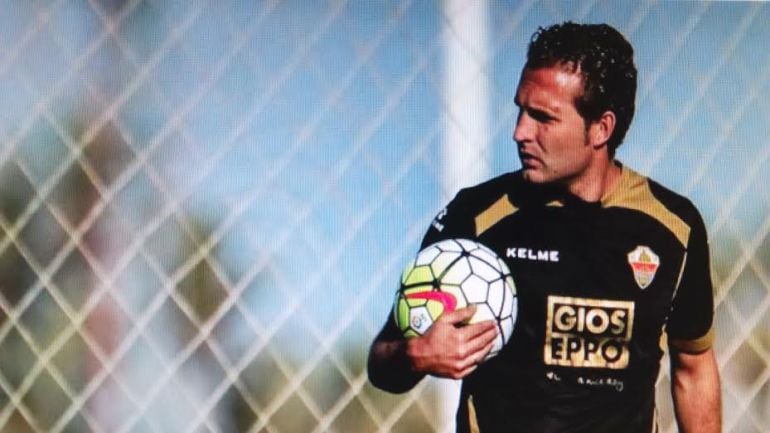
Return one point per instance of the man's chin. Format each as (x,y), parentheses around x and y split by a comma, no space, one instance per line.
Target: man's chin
(533,176)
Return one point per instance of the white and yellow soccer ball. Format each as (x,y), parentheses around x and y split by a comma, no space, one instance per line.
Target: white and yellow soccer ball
(453,274)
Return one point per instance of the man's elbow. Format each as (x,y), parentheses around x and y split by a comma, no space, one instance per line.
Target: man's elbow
(386,382)
(389,377)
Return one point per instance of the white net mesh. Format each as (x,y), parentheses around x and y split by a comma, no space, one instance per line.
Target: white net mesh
(205,206)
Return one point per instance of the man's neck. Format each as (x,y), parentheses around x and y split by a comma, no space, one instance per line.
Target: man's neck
(596,182)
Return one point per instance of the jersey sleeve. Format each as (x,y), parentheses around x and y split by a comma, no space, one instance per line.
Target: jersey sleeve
(690,326)
(454,221)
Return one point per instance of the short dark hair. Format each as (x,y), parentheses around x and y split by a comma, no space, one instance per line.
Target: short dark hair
(603,57)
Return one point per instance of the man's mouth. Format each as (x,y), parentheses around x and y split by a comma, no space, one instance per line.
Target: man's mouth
(528,160)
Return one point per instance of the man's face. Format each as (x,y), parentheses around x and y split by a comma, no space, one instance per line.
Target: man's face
(551,135)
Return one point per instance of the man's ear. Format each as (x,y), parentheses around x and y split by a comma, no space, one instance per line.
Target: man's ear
(600,131)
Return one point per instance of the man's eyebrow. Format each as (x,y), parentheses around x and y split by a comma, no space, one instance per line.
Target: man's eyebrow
(541,110)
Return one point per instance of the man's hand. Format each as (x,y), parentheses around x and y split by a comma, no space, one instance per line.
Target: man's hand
(450,348)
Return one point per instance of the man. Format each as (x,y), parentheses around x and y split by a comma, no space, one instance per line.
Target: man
(627,267)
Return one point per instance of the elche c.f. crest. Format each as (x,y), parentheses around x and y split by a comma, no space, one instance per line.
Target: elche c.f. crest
(644,262)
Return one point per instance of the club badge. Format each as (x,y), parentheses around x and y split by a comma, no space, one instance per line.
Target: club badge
(644,262)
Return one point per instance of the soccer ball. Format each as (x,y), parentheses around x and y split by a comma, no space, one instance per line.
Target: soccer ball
(452,274)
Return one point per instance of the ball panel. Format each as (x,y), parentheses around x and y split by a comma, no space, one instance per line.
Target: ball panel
(509,283)
(409,333)
(488,257)
(475,289)
(420,319)
(418,275)
(509,303)
(442,262)
(458,273)
(458,294)
(453,245)
(482,313)
(426,256)
(435,309)
(402,314)
(416,301)
(484,269)
(503,268)
(467,245)
(507,325)
(496,296)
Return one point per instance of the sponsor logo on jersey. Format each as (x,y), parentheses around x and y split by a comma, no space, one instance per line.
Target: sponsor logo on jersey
(644,263)
(588,333)
(437,221)
(447,300)
(532,254)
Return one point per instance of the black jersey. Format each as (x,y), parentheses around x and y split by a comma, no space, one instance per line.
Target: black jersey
(600,287)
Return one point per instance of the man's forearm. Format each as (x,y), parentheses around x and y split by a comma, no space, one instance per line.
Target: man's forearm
(696,392)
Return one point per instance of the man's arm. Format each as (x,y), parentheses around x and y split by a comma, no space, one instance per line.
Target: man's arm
(448,349)
(696,392)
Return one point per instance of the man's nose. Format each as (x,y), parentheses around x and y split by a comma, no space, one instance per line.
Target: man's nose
(523,131)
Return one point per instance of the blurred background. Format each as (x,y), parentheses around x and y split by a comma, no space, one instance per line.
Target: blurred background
(205,205)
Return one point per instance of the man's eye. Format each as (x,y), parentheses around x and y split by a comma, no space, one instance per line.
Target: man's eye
(541,116)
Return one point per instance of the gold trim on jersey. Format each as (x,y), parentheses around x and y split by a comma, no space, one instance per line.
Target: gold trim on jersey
(494,214)
(697,345)
(633,192)
(473,422)
(681,274)
(655,416)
